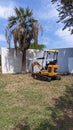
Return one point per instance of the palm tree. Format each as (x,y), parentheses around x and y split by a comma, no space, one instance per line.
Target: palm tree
(24,28)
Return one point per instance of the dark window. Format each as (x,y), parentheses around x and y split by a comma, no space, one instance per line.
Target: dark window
(49,69)
(55,70)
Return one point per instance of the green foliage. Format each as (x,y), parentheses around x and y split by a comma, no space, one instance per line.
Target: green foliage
(39,46)
(22,20)
(65,9)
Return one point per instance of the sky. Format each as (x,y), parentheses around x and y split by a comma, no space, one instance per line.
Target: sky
(45,12)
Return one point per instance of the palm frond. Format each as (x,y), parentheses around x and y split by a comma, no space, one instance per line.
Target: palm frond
(32,20)
(28,12)
(22,12)
(8,35)
(11,24)
(17,12)
(12,18)
(23,20)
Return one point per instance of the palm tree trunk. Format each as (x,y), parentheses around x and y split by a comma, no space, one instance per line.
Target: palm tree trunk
(24,61)
(36,40)
(35,45)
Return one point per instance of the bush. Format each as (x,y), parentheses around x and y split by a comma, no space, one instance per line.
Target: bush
(40,46)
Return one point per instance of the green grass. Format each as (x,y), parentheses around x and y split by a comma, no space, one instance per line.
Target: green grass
(43,105)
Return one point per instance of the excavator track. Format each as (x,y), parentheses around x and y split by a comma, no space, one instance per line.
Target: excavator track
(41,77)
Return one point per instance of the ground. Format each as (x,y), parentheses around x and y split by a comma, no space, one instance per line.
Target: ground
(43,105)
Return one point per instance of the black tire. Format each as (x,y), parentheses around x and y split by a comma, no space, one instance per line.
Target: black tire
(58,77)
(49,79)
(34,76)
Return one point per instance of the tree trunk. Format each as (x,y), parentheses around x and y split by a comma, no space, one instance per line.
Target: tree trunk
(35,45)
(24,61)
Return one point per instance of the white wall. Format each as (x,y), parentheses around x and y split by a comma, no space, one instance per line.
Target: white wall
(31,56)
(13,64)
(10,62)
(70,65)
(63,60)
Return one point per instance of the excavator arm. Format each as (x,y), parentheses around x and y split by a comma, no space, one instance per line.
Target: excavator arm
(37,65)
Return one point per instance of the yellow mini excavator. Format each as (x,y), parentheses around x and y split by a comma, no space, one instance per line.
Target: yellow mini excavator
(49,71)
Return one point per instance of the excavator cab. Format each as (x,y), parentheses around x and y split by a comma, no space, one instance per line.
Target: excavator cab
(49,67)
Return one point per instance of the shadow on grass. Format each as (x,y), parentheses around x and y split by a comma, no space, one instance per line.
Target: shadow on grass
(61,115)
(22,125)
